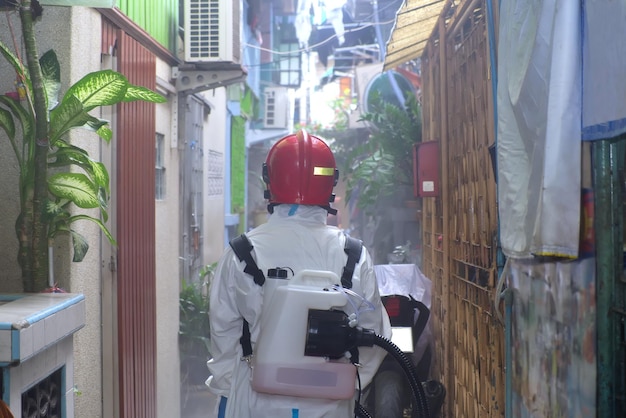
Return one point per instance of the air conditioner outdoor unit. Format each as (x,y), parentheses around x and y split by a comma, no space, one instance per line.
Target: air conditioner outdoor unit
(212,31)
(277,105)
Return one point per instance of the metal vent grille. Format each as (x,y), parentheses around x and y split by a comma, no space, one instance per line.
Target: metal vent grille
(277,107)
(212,31)
(270,108)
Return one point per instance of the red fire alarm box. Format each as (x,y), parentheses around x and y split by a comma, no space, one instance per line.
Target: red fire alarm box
(426,169)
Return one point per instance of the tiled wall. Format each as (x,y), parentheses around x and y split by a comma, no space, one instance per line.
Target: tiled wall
(37,339)
(32,371)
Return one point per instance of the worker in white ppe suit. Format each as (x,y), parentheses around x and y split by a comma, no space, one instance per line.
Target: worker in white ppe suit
(300,173)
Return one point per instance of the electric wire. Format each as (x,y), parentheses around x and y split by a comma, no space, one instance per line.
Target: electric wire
(325,41)
(359,411)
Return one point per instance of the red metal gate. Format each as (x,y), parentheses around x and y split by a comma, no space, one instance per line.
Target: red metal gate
(135,230)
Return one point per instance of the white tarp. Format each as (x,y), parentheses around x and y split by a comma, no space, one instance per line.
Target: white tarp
(604,68)
(403,279)
(539,127)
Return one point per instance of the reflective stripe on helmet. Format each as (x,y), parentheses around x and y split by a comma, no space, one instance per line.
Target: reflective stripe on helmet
(323,171)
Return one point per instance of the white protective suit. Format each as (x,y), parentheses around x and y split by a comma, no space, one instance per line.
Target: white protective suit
(299,240)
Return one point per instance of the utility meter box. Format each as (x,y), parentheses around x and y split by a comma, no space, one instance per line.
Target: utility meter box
(426,169)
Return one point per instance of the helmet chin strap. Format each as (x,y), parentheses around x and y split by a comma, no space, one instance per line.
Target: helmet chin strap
(330,210)
(327,208)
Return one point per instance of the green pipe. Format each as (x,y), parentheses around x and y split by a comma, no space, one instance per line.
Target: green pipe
(508,353)
(607,157)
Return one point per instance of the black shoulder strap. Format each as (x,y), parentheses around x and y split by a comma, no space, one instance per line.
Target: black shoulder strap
(353,248)
(243,249)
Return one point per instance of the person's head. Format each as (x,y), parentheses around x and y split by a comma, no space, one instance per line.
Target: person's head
(300,169)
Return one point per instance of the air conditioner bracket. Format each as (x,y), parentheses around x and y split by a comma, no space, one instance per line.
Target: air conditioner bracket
(195,81)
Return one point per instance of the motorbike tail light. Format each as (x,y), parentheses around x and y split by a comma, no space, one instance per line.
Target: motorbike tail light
(392,305)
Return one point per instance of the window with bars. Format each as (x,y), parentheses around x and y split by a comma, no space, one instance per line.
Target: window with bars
(45,399)
(288,61)
(159,184)
(289,65)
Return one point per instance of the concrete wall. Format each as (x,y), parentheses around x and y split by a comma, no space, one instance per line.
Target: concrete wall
(215,134)
(81,55)
(167,262)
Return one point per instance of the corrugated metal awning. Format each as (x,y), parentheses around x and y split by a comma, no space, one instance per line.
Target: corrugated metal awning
(414,24)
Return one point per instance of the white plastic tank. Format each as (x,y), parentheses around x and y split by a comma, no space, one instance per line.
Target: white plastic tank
(280,366)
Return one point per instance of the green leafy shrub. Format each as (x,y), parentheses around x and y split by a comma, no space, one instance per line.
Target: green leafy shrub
(194,328)
(37,123)
(384,161)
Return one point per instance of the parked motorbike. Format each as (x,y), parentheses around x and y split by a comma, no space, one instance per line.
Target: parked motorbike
(405,293)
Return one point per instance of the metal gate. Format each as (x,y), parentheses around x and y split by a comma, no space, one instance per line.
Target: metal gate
(191,187)
(460,225)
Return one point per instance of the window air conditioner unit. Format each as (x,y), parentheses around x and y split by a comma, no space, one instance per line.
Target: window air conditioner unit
(277,100)
(212,31)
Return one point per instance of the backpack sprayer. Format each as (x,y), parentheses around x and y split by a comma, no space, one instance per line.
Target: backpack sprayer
(308,344)
(304,347)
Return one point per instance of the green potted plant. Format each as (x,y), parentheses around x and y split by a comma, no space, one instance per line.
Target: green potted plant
(379,175)
(194,329)
(54,175)
(383,163)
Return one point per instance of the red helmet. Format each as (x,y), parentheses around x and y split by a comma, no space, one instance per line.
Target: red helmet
(300,168)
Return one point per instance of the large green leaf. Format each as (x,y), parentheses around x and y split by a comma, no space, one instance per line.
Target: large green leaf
(98,222)
(141,93)
(57,213)
(6,123)
(80,245)
(69,114)
(76,187)
(67,154)
(51,72)
(72,155)
(100,88)
(26,119)
(17,66)
(95,125)
(105,133)
(100,175)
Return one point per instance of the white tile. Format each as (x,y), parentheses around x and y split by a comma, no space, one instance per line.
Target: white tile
(69,369)
(53,358)
(26,343)
(5,345)
(32,371)
(51,329)
(63,325)
(39,337)
(77,315)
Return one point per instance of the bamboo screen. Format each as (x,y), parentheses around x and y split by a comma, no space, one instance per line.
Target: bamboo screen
(460,225)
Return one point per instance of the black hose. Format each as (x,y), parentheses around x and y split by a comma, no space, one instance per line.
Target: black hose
(420,409)
(360,411)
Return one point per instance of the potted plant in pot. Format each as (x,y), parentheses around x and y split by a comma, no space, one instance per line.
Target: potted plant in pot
(55,176)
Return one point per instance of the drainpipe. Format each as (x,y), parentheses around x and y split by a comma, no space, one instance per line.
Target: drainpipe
(607,157)
(507,296)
